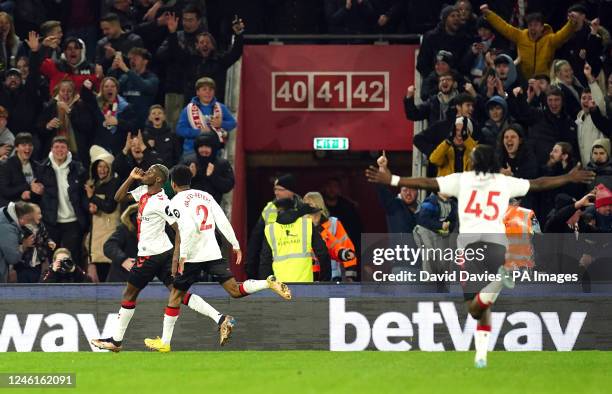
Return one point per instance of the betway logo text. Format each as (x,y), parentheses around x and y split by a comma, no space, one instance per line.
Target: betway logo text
(394,330)
(62,335)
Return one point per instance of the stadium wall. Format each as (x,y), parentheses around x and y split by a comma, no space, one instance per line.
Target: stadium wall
(321,317)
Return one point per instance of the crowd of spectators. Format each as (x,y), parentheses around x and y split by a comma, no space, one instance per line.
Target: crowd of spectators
(91,91)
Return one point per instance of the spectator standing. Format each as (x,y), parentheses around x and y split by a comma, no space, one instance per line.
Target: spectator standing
(19,175)
(562,76)
(134,154)
(137,84)
(591,100)
(72,65)
(537,44)
(204,113)
(430,85)
(115,40)
(349,16)
(174,99)
(9,42)
(103,209)
(64,203)
(13,244)
(35,260)
(117,116)
(448,36)
(498,120)
(159,137)
(453,154)
(73,116)
(600,162)
(436,107)
(211,173)
(7,139)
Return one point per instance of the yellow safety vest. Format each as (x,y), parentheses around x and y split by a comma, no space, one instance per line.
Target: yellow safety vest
(291,250)
(269,213)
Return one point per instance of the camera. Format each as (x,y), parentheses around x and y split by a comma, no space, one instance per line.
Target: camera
(66,265)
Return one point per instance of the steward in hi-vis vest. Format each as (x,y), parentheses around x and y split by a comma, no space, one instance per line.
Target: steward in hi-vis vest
(521,224)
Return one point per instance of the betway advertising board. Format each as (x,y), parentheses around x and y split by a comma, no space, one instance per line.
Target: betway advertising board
(337,318)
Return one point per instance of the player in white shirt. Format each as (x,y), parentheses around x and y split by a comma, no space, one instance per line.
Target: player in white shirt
(198,215)
(483,195)
(155,251)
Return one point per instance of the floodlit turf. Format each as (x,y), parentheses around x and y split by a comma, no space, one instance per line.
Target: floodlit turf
(318,372)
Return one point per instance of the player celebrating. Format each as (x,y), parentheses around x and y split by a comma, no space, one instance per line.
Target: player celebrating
(154,248)
(483,196)
(198,215)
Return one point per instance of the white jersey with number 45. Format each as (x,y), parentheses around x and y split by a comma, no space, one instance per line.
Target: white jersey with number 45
(482,202)
(197,215)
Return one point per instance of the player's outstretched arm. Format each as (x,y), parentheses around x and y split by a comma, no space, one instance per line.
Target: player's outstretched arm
(576,175)
(122,193)
(375,175)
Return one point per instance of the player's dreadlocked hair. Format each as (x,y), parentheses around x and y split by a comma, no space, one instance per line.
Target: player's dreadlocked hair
(483,160)
(181,175)
(162,172)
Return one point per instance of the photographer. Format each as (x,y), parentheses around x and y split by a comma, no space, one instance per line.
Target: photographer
(64,270)
(13,218)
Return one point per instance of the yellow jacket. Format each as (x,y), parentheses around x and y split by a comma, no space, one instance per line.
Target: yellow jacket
(444,156)
(536,56)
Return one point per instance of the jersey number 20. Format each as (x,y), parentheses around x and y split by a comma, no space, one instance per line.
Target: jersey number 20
(474,207)
(203,225)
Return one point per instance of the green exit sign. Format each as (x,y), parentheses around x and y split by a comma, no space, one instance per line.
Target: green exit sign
(331,143)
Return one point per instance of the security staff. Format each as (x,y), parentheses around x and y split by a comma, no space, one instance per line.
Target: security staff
(290,245)
(285,196)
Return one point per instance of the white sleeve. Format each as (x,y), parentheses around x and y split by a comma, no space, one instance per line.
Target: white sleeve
(223,224)
(139,192)
(450,184)
(187,228)
(517,187)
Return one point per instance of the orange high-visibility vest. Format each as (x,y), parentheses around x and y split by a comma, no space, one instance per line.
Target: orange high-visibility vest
(519,230)
(335,243)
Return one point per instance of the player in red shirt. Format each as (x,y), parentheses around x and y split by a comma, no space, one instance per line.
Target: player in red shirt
(483,196)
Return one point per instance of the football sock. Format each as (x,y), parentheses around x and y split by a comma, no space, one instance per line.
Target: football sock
(172,313)
(489,293)
(198,304)
(251,286)
(125,315)
(481,341)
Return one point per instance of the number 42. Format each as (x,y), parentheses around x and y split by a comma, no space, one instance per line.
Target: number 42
(474,207)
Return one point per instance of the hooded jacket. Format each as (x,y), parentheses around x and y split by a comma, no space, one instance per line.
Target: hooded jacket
(444,156)
(490,130)
(9,242)
(536,56)
(221,180)
(184,129)
(105,220)
(603,172)
(72,192)
(56,71)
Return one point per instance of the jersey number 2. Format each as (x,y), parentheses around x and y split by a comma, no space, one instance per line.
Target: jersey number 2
(474,207)
(203,225)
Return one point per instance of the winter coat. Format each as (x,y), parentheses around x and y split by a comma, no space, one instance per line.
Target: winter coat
(400,218)
(140,91)
(13,183)
(22,102)
(113,139)
(175,75)
(122,244)
(106,219)
(536,56)
(76,193)
(56,71)
(489,134)
(185,130)
(444,156)
(433,109)
(587,130)
(10,240)
(436,40)
(84,120)
(429,214)
(167,145)
(123,44)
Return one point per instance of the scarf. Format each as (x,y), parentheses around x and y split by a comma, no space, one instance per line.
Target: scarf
(63,114)
(197,120)
(111,109)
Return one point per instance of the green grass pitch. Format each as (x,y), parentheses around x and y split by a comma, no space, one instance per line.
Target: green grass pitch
(320,372)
